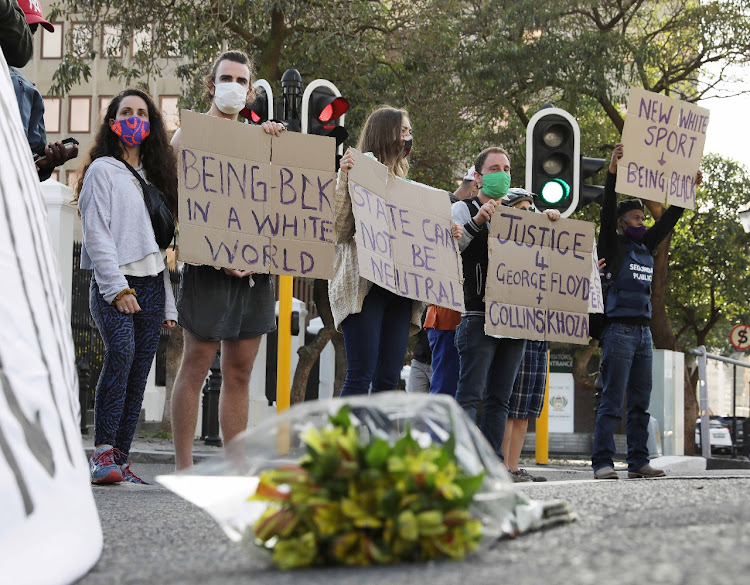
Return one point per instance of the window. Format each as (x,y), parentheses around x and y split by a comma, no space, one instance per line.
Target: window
(52,111)
(111,42)
(79,118)
(103,105)
(170,112)
(141,41)
(52,42)
(82,39)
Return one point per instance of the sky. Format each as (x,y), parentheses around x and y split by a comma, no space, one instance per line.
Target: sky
(729,122)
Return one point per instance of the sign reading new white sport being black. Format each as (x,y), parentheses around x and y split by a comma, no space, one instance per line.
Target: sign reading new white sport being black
(47,509)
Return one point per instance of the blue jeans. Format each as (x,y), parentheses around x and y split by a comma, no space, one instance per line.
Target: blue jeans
(487,368)
(444,361)
(626,368)
(375,340)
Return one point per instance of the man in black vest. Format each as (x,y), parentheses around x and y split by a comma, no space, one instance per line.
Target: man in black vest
(626,343)
(487,365)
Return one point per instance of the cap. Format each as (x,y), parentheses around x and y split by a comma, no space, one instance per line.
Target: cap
(628,205)
(469,176)
(33,11)
(516,195)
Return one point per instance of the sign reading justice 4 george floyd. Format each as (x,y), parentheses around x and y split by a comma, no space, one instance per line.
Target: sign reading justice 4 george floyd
(403,235)
(538,277)
(255,202)
(663,139)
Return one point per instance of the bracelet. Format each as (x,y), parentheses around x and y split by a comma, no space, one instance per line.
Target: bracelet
(122,293)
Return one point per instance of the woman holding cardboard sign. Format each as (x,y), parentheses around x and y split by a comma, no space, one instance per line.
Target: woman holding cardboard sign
(375,321)
(131,296)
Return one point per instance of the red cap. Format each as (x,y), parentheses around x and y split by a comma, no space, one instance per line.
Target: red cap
(33,11)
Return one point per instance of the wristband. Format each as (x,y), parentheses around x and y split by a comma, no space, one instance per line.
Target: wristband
(122,293)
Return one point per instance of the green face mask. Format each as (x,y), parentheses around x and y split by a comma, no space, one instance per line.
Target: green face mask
(496,185)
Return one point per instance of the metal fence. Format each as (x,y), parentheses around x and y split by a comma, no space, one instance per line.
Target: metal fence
(705,434)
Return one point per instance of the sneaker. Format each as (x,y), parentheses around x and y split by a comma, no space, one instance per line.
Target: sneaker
(535,478)
(520,476)
(646,471)
(103,468)
(128,475)
(606,473)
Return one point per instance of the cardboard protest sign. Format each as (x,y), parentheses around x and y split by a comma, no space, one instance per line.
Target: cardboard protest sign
(255,202)
(538,277)
(403,235)
(49,525)
(664,139)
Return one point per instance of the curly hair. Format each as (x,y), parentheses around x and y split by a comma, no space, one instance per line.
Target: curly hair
(381,135)
(157,157)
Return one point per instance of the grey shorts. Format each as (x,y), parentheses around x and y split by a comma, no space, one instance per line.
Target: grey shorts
(215,306)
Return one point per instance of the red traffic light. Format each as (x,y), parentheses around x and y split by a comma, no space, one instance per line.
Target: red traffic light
(334,110)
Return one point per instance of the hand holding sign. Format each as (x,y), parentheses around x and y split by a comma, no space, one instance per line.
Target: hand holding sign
(665,139)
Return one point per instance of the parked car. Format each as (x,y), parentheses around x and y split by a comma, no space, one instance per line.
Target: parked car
(729,422)
(721,440)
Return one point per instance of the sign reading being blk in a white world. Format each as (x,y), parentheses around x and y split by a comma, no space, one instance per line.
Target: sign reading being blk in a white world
(664,140)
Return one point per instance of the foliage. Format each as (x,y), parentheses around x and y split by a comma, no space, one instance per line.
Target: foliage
(360,504)
(709,277)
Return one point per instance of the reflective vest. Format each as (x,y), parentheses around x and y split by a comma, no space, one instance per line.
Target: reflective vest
(630,294)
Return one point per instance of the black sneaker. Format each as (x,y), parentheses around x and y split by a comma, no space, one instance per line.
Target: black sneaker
(534,478)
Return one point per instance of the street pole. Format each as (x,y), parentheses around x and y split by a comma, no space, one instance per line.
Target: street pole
(542,425)
(703,403)
(734,411)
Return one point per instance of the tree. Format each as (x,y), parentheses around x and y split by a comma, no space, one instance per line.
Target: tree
(710,280)
(585,54)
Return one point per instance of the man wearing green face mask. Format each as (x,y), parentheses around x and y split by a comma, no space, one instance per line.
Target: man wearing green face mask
(487,365)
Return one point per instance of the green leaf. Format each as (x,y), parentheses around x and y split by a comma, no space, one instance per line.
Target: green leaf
(377,453)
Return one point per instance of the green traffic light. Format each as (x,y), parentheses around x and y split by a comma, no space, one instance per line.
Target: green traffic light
(554,191)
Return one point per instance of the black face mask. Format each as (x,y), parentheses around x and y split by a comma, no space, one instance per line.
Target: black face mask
(407,144)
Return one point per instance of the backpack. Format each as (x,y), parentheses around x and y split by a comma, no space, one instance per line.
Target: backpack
(162,220)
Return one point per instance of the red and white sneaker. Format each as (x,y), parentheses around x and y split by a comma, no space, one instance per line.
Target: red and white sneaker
(103,468)
(128,475)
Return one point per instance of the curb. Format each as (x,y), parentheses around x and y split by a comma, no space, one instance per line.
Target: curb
(155,456)
(716,463)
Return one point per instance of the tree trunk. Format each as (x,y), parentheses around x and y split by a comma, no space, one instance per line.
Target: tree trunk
(340,373)
(311,352)
(580,365)
(174,356)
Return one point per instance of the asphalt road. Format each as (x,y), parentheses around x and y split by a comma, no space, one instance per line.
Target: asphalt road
(677,530)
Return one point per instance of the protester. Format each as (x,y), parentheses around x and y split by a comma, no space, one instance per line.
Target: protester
(441,322)
(527,398)
(16,39)
(226,308)
(31,107)
(420,373)
(376,322)
(626,341)
(131,295)
(487,365)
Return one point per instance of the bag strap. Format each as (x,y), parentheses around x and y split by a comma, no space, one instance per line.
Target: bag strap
(135,173)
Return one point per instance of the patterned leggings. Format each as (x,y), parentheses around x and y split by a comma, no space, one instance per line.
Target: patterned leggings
(129,347)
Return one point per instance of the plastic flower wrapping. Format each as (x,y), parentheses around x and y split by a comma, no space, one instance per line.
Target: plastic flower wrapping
(392,477)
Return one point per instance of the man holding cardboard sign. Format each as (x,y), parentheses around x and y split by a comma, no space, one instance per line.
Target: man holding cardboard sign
(628,246)
(230,306)
(487,365)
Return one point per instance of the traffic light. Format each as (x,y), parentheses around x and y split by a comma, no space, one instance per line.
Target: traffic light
(323,111)
(553,160)
(261,109)
(590,193)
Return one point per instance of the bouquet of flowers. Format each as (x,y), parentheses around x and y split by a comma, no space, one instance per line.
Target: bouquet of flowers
(359,504)
(393,477)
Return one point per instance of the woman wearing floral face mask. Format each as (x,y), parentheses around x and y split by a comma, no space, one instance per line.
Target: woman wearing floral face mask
(131,296)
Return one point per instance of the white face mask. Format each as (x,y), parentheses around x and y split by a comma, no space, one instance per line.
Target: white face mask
(230,97)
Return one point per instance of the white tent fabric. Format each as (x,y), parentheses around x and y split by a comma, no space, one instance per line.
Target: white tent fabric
(49,526)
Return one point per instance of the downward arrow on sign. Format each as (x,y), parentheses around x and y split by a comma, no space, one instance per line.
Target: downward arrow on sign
(662,161)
